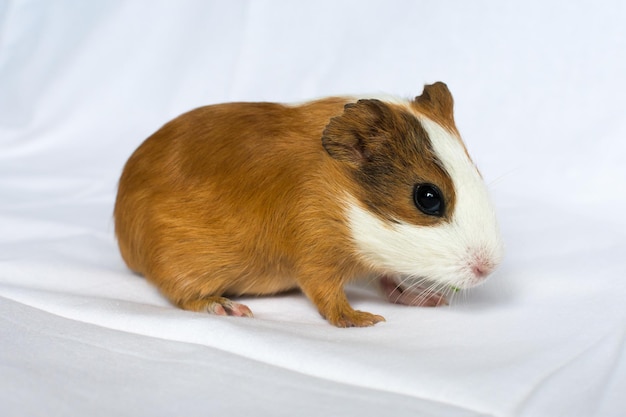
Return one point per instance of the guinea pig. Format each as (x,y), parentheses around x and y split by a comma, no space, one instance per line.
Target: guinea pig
(260,198)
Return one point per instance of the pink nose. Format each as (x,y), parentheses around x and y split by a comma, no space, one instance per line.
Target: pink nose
(480,270)
(481,266)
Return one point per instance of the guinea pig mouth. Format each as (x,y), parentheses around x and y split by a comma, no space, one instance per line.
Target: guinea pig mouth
(420,292)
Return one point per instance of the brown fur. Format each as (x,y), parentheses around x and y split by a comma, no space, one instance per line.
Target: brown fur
(248,198)
(436,103)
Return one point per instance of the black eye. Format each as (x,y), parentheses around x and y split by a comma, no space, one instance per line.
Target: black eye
(428,199)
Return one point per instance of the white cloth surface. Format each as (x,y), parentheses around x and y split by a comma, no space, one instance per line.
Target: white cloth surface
(540,93)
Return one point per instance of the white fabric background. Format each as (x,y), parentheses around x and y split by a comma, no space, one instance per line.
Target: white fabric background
(540,90)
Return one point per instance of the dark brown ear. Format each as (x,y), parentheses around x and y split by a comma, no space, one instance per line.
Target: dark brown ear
(355,136)
(437,101)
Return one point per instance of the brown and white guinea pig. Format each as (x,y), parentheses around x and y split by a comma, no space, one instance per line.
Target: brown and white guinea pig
(260,198)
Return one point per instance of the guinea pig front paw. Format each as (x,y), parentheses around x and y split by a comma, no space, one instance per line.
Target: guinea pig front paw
(415,295)
(224,307)
(354,318)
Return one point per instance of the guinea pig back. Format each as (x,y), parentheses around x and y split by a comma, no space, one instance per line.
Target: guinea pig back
(260,198)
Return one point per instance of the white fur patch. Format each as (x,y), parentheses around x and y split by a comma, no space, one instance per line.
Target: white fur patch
(447,252)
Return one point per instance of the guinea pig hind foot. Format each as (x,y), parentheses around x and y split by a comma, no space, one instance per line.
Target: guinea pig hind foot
(225,307)
(220,306)
(420,296)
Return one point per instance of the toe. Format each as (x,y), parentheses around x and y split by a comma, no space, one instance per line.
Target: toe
(239,310)
(216,308)
(224,307)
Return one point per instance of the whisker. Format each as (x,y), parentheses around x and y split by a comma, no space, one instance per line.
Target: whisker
(450,294)
(430,289)
(503,176)
(372,278)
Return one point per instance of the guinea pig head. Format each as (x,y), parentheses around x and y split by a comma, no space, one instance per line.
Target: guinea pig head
(419,207)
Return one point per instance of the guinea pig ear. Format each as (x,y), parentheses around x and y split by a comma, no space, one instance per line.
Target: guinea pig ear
(436,100)
(355,136)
